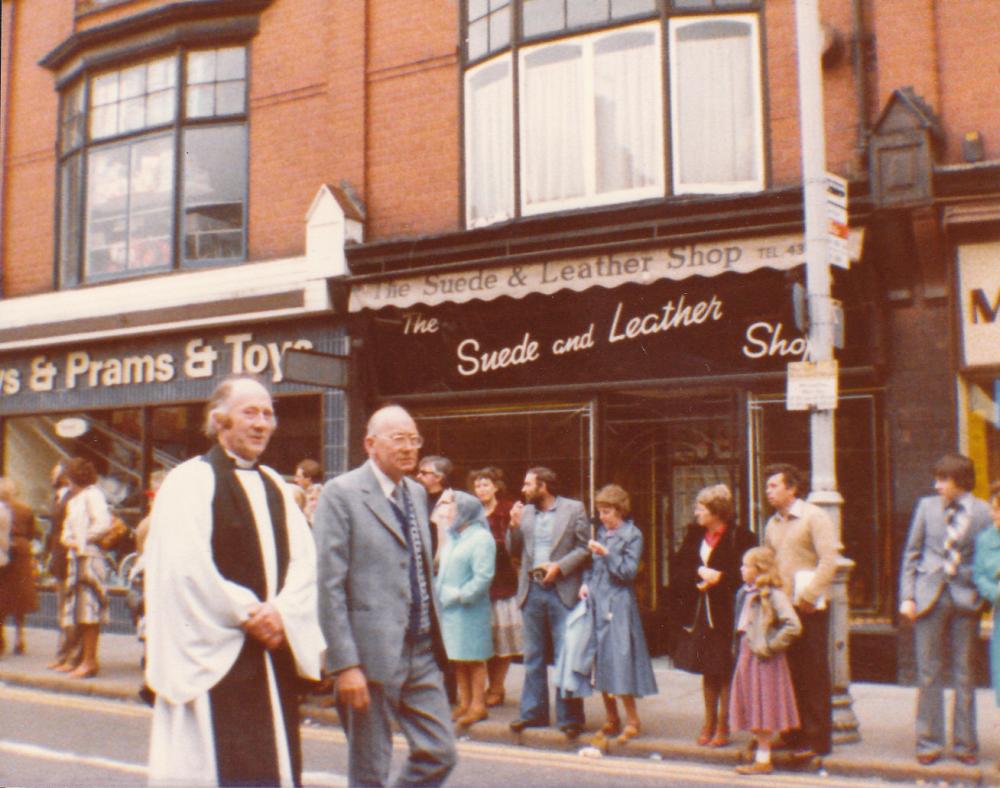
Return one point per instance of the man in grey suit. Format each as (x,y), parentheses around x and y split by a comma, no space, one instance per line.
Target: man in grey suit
(939,597)
(376,608)
(550,537)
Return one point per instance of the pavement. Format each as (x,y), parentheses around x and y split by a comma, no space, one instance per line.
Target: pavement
(670,720)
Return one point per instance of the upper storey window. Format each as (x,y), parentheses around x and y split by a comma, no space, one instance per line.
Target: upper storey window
(153,166)
(575,103)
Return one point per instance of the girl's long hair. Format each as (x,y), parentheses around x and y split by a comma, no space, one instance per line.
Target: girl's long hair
(763,560)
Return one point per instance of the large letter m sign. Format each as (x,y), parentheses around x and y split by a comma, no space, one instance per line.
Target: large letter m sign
(982,310)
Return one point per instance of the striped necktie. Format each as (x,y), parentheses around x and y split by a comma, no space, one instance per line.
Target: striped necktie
(420,616)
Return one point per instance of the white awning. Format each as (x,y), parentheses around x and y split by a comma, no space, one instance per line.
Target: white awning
(516,280)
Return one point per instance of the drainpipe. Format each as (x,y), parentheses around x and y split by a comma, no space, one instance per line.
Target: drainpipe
(860,82)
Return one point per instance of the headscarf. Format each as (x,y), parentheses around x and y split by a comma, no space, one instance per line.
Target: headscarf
(468,511)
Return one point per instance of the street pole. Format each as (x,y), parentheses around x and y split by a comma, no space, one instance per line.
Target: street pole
(822,446)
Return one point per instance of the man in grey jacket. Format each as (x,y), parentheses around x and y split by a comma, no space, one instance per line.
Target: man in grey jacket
(377,612)
(549,536)
(938,596)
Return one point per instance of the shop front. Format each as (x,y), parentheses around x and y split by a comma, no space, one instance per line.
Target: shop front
(979,380)
(662,370)
(133,406)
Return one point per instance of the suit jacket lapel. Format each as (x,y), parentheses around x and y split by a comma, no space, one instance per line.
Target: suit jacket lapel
(559,523)
(379,505)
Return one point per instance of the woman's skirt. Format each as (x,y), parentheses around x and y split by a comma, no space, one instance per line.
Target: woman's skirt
(506,623)
(762,697)
(86,596)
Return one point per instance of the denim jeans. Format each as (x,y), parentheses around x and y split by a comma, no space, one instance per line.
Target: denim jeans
(544,617)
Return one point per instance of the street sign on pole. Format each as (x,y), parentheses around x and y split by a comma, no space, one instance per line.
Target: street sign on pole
(836,221)
(811,385)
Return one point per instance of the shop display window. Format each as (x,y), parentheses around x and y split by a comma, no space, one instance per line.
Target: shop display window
(981,430)
(780,435)
(126,445)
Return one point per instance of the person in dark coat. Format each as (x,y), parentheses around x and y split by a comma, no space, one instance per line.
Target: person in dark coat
(18,596)
(705,577)
(487,483)
(621,665)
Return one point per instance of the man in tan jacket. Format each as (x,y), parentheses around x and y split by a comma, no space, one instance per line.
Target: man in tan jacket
(807,547)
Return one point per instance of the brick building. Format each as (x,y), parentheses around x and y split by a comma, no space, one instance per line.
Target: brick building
(563,232)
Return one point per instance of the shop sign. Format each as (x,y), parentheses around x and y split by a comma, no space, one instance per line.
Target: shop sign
(153,369)
(708,259)
(703,327)
(979,274)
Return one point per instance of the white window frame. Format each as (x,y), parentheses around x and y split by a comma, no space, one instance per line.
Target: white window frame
(590,197)
(726,187)
(505,201)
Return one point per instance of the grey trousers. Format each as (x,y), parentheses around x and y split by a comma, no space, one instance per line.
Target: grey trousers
(945,624)
(417,701)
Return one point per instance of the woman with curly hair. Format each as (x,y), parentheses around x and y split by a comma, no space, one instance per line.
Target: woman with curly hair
(86,603)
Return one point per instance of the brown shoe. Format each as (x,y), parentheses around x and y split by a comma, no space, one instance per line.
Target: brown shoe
(927,758)
(612,727)
(705,737)
(471,717)
(720,739)
(494,698)
(968,758)
(755,768)
(629,732)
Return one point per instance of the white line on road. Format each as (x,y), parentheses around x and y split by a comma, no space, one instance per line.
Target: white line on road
(100,762)
(46,754)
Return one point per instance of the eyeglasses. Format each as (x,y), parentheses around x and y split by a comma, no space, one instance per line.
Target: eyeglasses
(403,441)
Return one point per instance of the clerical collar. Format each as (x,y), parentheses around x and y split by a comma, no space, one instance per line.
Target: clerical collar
(241,464)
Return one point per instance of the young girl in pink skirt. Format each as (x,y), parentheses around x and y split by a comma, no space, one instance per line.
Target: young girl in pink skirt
(762,699)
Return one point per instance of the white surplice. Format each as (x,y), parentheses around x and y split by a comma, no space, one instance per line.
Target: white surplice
(194,617)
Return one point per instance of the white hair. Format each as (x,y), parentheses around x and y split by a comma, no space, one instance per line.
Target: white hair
(386,415)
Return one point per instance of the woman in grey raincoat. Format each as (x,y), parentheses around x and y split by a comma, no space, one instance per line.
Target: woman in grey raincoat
(622,666)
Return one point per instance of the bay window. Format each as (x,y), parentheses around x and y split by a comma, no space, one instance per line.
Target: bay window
(153,166)
(594,102)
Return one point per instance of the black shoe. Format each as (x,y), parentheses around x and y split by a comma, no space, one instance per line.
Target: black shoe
(572,730)
(520,724)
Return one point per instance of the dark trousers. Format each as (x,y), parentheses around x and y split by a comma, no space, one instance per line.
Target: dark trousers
(809,663)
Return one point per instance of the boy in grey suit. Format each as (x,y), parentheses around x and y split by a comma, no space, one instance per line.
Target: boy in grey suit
(938,596)
(377,612)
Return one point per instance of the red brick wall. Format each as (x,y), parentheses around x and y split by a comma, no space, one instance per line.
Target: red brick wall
(413,134)
(969,35)
(29,172)
(369,93)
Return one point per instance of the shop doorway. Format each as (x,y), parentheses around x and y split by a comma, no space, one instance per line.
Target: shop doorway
(663,447)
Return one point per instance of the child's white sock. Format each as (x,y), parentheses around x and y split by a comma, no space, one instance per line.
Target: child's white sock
(763,751)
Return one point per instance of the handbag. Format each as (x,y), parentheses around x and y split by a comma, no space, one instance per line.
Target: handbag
(690,644)
(110,537)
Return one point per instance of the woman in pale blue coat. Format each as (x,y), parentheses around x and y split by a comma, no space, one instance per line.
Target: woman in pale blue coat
(462,585)
(986,572)
(622,667)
